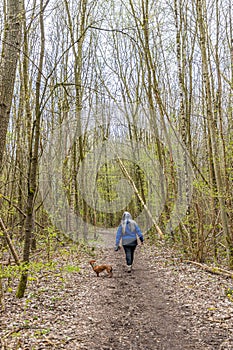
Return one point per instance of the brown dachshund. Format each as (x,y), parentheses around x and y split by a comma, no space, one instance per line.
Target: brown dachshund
(101,268)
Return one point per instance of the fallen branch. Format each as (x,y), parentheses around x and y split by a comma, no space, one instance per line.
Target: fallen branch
(10,243)
(213,270)
(125,172)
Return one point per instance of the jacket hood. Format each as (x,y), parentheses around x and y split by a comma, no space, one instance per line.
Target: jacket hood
(127,219)
(126,216)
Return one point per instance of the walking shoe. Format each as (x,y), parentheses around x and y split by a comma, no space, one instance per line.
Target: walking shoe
(129,268)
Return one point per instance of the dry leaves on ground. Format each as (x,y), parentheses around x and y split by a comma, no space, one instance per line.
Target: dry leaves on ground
(162,304)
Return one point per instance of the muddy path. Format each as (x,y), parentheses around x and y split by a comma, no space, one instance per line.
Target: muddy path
(162,304)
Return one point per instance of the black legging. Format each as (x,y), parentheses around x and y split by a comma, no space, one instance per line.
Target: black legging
(129,253)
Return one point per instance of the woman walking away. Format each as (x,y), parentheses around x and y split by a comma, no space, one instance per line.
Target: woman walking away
(128,231)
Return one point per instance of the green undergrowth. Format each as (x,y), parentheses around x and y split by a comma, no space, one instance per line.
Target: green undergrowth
(61,263)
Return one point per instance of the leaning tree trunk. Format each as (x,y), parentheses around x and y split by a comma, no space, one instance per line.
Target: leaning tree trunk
(8,64)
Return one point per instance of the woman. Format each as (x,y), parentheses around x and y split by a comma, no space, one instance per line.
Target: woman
(128,231)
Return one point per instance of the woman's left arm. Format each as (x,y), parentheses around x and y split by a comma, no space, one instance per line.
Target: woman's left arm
(139,233)
(118,236)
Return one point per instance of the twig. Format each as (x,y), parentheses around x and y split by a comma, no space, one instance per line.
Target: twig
(16,330)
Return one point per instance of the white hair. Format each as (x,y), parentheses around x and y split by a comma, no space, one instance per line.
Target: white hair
(127,218)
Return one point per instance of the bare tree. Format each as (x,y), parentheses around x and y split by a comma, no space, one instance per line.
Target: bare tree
(33,162)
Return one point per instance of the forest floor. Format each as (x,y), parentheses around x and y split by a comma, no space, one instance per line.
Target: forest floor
(164,304)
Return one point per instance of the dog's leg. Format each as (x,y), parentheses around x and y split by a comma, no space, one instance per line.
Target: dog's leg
(109,272)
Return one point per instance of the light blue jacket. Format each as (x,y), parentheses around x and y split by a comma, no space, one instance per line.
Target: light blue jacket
(131,231)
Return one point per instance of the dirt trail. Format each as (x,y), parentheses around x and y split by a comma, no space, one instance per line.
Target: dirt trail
(151,308)
(162,305)
(130,311)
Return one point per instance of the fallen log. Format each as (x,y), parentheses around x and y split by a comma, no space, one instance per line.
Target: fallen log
(211,269)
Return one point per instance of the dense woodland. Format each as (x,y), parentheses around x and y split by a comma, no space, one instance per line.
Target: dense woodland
(108,106)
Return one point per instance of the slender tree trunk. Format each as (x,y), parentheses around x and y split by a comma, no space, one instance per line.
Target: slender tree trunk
(33,165)
(8,64)
(78,69)
(184,108)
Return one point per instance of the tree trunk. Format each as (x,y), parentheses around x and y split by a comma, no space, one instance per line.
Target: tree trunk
(33,166)
(78,69)
(8,64)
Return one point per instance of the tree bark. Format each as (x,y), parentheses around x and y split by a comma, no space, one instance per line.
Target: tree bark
(78,69)
(33,165)
(8,64)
